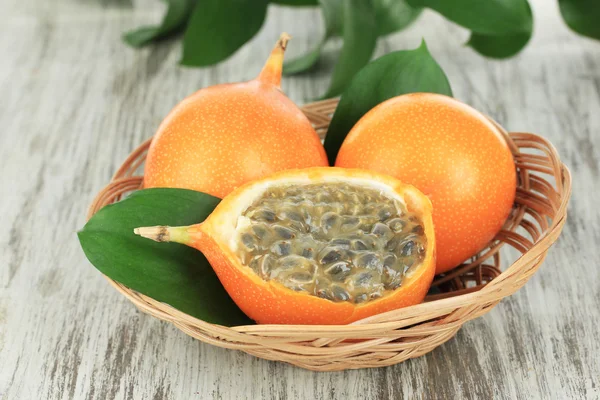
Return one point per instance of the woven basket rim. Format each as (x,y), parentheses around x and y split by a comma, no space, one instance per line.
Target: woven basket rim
(463,307)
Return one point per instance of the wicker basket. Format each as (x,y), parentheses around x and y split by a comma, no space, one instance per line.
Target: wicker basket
(464,293)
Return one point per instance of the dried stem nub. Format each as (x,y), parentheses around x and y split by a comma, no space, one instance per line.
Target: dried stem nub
(156,233)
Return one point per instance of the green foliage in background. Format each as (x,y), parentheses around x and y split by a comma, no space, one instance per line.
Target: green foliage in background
(213,30)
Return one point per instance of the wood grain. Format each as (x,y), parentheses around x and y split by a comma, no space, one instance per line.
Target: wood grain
(75,101)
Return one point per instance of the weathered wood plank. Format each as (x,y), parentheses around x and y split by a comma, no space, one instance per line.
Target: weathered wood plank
(75,101)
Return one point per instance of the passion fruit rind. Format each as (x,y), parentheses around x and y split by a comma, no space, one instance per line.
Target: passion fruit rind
(337,241)
(270,302)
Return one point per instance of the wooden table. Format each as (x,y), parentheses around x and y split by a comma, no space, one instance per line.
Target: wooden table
(74,101)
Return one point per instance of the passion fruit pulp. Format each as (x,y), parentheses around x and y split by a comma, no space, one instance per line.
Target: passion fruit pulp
(338,241)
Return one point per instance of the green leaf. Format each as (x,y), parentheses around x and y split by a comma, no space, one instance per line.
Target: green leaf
(296,3)
(333,15)
(582,16)
(390,16)
(489,17)
(501,46)
(218,28)
(498,46)
(168,272)
(500,28)
(394,15)
(360,38)
(392,75)
(174,21)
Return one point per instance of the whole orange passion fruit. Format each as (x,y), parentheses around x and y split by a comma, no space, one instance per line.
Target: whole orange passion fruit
(226,135)
(453,154)
(317,246)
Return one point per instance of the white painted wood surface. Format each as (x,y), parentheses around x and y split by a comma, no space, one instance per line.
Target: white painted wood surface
(74,101)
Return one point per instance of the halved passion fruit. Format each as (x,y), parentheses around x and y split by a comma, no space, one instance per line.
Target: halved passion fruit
(317,246)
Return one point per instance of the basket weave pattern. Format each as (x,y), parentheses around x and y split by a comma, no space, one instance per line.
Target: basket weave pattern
(465,293)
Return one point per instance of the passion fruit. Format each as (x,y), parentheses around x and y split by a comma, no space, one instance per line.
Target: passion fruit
(453,154)
(317,246)
(226,135)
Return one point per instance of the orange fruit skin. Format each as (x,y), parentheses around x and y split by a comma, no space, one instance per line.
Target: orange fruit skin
(269,302)
(226,135)
(449,151)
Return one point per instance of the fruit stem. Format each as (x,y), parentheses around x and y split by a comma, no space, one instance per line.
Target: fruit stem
(271,72)
(178,234)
